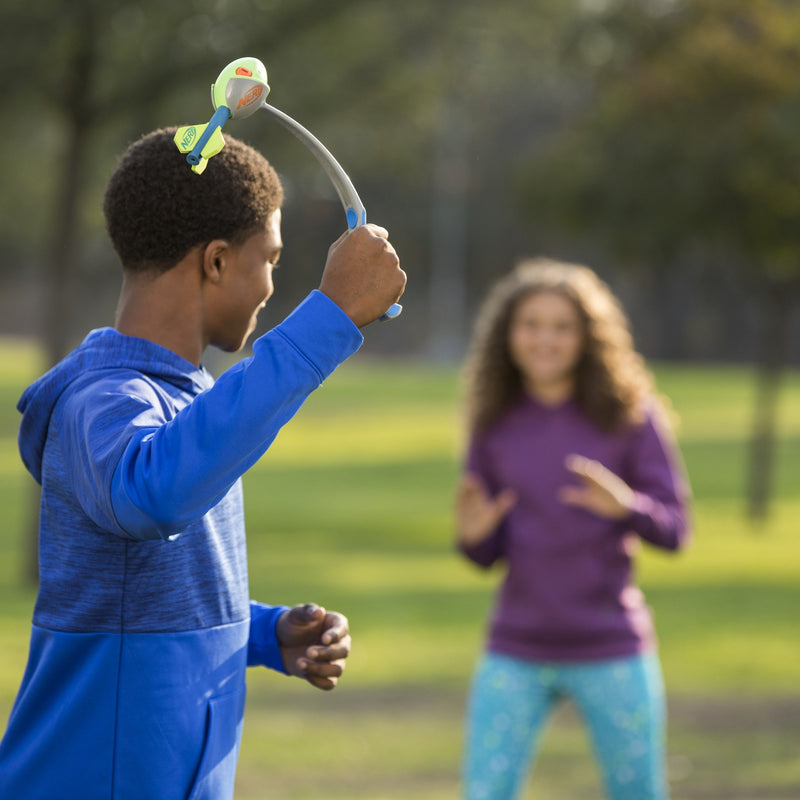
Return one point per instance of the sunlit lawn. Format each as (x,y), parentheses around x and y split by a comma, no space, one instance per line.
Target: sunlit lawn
(351,509)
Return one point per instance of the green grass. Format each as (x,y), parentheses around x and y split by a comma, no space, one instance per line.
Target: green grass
(351,508)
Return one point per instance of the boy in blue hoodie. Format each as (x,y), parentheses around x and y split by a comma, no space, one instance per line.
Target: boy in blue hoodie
(143,627)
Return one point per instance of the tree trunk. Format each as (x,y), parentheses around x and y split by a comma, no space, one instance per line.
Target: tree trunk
(771,365)
(449,233)
(77,115)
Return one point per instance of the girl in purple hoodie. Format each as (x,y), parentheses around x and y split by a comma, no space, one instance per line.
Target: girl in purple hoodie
(570,465)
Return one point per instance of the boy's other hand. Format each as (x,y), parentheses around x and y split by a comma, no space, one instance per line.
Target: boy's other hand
(362,274)
(314,644)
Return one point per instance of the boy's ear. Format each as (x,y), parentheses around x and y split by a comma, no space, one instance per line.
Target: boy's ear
(214,258)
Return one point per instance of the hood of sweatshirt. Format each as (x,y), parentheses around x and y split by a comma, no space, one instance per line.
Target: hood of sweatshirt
(102,349)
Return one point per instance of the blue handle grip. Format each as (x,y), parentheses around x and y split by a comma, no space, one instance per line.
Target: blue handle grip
(354,219)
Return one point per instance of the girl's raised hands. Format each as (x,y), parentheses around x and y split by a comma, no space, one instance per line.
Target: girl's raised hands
(478,513)
(600,491)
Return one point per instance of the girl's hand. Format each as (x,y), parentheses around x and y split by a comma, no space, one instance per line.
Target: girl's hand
(601,491)
(478,514)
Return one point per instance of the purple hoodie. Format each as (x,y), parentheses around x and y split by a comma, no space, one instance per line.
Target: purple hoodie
(568,593)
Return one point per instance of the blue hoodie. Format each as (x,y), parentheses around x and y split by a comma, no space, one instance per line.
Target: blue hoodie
(143,627)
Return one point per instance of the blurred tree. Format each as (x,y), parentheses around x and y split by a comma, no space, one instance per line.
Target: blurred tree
(496,76)
(688,141)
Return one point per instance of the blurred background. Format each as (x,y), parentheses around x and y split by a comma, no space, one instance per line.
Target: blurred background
(654,140)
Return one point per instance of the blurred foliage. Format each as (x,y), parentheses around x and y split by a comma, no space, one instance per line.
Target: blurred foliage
(689,134)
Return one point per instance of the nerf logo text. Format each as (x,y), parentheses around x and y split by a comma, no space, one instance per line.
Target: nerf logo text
(251,96)
(189,135)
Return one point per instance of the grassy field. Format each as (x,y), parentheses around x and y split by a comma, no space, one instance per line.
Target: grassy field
(351,509)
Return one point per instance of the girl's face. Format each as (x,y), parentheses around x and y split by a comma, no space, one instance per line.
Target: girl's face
(545,341)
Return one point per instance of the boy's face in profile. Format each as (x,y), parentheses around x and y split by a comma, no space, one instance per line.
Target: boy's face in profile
(243,286)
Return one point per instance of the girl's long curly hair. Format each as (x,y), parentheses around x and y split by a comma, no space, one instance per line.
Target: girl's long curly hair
(613,386)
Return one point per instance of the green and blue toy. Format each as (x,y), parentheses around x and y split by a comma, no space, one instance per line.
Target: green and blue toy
(240,90)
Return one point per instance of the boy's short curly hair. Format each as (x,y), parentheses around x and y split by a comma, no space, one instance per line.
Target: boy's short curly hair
(157,208)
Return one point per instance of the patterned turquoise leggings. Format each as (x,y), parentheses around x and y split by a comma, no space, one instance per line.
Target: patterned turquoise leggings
(621,702)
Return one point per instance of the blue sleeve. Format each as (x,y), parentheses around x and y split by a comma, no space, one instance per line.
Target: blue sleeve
(263,648)
(173,473)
